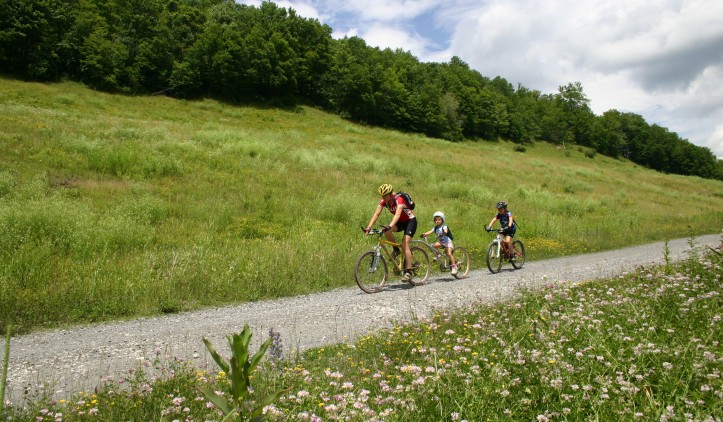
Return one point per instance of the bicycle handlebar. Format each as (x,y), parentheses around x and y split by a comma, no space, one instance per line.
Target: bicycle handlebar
(500,230)
(372,231)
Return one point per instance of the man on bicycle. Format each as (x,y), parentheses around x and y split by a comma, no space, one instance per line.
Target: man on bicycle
(403,220)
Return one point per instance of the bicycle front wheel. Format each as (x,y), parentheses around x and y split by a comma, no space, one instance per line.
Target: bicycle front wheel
(494,258)
(420,266)
(519,249)
(370,272)
(461,258)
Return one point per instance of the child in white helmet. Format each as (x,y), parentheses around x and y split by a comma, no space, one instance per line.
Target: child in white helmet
(444,237)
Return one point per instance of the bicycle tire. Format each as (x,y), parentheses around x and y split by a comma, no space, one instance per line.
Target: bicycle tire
(420,266)
(461,258)
(519,247)
(367,273)
(494,263)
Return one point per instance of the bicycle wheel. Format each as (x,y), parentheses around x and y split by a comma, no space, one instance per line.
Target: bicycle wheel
(420,266)
(461,258)
(519,248)
(494,259)
(370,272)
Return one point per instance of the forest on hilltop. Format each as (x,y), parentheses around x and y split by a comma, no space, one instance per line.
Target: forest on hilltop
(232,52)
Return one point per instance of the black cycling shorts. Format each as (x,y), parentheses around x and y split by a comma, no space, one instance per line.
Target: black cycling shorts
(510,231)
(408,227)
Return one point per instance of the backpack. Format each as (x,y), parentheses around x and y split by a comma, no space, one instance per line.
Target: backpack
(449,233)
(407,199)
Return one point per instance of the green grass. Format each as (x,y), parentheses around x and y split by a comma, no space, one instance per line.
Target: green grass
(116,207)
(641,346)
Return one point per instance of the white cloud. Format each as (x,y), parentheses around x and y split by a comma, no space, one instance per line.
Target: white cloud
(661,59)
(389,37)
(380,10)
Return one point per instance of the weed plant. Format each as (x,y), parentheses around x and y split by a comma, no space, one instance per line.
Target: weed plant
(116,207)
(642,346)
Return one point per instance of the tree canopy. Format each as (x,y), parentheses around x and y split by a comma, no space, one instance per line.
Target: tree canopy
(234,52)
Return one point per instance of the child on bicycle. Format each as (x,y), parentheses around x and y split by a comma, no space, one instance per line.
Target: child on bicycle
(444,238)
(403,220)
(509,227)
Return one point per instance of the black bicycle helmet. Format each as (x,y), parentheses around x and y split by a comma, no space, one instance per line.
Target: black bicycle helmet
(501,204)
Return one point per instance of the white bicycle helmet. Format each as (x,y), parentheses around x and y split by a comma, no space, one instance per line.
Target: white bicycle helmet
(440,214)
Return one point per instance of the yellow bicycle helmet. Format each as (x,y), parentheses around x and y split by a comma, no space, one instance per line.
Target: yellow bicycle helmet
(385,189)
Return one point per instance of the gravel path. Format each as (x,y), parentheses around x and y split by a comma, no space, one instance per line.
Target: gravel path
(71,360)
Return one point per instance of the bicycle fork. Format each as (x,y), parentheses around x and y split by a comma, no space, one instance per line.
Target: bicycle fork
(499,248)
(374,264)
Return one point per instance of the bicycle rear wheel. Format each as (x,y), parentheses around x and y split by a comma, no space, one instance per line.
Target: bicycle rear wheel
(370,272)
(461,258)
(519,248)
(420,266)
(494,258)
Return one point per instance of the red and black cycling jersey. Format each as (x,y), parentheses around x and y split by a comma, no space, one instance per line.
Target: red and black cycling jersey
(392,205)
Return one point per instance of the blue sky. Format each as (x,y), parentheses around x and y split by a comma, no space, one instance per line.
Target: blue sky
(662,59)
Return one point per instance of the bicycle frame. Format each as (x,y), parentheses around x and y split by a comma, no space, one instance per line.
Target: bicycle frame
(439,256)
(499,241)
(382,246)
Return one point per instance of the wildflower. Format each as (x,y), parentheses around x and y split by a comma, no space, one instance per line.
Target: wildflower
(276,349)
(455,416)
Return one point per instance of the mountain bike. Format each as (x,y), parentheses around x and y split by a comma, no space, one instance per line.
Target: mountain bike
(439,255)
(372,267)
(497,252)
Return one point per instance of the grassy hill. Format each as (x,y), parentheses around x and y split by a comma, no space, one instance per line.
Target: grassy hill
(114,206)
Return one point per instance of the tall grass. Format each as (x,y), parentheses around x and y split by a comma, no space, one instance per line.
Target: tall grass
(114,206)
(641,346)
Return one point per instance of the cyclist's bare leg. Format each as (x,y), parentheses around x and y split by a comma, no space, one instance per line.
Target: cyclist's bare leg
(508,242)
(451,257)
(390,234)
(406,242)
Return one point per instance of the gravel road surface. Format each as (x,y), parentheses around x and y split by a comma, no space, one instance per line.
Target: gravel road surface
(69,360)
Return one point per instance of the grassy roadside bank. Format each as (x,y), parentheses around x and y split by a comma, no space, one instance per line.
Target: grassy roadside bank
(116,207)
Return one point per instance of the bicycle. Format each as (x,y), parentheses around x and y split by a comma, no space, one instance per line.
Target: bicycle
(497,252)
(460,254)
(371,270)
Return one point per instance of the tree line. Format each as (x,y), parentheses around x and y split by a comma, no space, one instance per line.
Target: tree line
(234,52)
